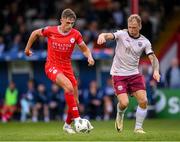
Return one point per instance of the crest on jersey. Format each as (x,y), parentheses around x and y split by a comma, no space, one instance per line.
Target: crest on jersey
(127,39)
(120,87)
(54,71)
(72,40)
(139,44)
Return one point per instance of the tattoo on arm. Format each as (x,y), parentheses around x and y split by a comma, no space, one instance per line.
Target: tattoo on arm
(154,62)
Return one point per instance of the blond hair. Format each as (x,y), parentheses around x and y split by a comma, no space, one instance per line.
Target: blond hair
(135,17)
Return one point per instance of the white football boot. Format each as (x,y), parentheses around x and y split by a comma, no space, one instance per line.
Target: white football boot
(139,131)
(68,129)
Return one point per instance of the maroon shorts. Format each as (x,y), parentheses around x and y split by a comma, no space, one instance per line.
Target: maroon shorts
(52,72)
(128,84)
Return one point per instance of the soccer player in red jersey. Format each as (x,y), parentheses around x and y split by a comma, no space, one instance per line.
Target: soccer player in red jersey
(61,42)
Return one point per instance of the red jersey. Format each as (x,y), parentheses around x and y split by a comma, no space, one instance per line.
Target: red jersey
(60,46)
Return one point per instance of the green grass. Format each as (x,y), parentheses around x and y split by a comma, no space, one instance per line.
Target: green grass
(157,130)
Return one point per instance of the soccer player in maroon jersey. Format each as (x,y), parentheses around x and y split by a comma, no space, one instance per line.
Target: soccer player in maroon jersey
(61,42)
(125,74)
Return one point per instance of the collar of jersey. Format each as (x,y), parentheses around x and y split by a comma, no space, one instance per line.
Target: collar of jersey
(62,32)
(134,37)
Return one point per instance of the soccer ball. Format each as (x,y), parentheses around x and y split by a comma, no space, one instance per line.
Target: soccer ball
(83,126)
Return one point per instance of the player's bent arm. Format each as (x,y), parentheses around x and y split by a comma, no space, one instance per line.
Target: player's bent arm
(87,53)
(103,37)
(34,35)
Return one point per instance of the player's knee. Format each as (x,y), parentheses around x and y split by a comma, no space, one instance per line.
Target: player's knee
(143,103)
(124,105)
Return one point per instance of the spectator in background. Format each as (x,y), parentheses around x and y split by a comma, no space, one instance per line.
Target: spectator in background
(147,77)
(16,45)
(10,102)
(118,15)
(147,27)
(168,7)
(8,36)
(91,34)
(28,100)
(103,9)
(83,100)
(173,74)
(2,20)
(57,102)
(95,101)
(24,34)
(41,102)
(18,24)
(13,12)
(108,99)
(41,44)
(91,14)
(2,45)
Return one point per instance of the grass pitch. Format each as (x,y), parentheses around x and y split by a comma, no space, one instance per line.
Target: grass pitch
(157,130)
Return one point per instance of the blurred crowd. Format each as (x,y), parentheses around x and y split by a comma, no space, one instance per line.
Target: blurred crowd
(19,18)
(95,102)
(38,103)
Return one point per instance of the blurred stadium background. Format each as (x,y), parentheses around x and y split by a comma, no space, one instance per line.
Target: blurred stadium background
(160,24)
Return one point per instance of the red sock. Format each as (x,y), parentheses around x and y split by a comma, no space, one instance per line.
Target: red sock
(72,105)
(9,115)
(69,117)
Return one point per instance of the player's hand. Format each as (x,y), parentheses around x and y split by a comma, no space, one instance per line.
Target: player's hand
(101,39)
(156,76)
(28,52)
(91,61)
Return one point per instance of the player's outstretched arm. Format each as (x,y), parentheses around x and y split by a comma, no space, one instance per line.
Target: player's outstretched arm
(34,35)
(87,53)
(155,65)
(103,37)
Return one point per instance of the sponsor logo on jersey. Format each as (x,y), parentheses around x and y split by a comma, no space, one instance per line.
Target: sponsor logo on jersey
(61,46)
(72,40)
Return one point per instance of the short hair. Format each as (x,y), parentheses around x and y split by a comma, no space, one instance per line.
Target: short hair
(68,13)
(136,17)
